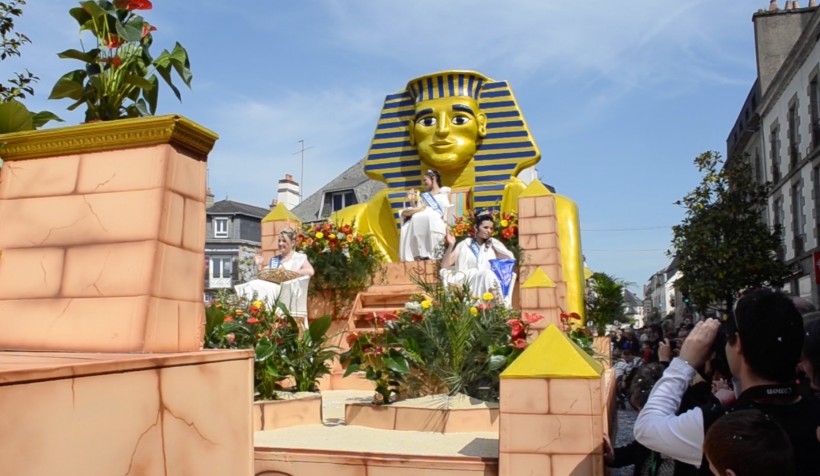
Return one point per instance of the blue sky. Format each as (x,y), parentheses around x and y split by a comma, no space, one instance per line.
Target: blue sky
(620,95)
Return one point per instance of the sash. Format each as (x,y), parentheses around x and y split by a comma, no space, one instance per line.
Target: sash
(503,269)
(275,262)
(475,249)
(431,202)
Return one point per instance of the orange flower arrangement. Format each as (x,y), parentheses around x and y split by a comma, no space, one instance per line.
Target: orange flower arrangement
(505,230)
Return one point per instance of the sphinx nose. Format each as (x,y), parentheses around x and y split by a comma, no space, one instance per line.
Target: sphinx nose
(442,125)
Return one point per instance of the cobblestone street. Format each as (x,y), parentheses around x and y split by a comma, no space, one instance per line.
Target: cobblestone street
(626,421)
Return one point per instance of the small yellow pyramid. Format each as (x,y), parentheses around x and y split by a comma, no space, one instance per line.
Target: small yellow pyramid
(281,213)
(535,189)
(553,355)
(538,279)
(587,273)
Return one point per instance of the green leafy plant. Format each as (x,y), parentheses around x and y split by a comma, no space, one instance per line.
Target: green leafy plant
(282,350)
(574,328)
(443,341)
(345,262)
(604,301)
(119,78)
(14,116)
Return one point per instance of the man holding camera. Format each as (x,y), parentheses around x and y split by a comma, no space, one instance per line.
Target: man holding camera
(764,338)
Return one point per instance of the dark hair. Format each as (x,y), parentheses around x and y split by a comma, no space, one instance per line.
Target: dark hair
(811,350)
(749,442)
(435,175)
(642,381)
(481,217)
(771,330)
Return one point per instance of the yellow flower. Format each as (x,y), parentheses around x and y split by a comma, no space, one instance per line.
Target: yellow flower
(331,236)
(319,235)
(504,223)
(474,311)
(258,304)
(487,296)
(426,304)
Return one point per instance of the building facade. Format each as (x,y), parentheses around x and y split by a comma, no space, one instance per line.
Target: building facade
(233,237)
(778,130)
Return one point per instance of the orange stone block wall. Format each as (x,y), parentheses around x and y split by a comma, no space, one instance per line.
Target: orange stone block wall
(103,251)
(551,427)
(538,237)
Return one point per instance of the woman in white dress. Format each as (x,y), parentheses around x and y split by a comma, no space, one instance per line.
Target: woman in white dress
(469,261)
(289,259)
(423,229)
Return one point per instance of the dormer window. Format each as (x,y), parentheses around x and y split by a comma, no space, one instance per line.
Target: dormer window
(335,201)
(220,227)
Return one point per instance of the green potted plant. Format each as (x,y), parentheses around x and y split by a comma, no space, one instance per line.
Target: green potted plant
(119,77)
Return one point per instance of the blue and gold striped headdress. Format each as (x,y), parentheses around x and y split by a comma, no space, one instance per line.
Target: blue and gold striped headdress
(507,148)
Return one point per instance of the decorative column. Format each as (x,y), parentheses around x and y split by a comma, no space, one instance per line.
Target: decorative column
(553,413)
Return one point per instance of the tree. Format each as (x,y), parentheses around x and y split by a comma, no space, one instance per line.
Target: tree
(604,301)
(722,244)
(14,116)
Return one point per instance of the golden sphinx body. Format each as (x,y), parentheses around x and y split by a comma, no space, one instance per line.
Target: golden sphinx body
(469,128)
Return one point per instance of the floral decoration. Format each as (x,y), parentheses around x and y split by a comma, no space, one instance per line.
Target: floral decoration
(443,341)
(574,328)
(505,230)
(119,78)
(282,349)
(345,262)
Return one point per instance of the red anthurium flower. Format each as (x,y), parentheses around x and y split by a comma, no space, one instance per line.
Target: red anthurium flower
(253,320)
(351,338)
(228,319)
(146,29)
(116,62)
(519,343)
(114,41)
(134,4)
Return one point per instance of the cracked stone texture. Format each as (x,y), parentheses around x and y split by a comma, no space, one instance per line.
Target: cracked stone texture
(126,414)
(104,250)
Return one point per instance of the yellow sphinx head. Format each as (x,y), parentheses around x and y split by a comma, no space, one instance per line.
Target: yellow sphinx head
(447,123)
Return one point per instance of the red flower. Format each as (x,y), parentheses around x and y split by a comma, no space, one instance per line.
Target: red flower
(359,238)
(146,29)
(116,62)
(327,227)
(227,319)
(387,316)
(417,317)
(351,338)
(133,4)
(519,343)
(532,318)
(114,41)
(345,229)
(253,320)
(507,233)
(231,338)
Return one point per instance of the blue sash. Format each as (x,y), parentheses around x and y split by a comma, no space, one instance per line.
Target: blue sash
(503,269)
(275,262)
(475,248)
(431,202)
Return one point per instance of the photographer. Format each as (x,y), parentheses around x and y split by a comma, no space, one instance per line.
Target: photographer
(763,345)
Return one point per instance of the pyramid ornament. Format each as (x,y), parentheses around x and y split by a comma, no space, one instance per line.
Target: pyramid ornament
(281,213)
(535,189)
(553,355)
(538,279)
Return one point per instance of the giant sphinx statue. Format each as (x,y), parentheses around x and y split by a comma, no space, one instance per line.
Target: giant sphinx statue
(469,128)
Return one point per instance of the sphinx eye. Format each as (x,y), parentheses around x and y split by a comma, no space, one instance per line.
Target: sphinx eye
(460,120)
(426,121)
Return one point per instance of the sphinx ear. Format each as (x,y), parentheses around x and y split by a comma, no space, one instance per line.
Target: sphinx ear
(481,119)
(411,132)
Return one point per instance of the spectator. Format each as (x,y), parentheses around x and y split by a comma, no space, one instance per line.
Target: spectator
(764,339)
(748,443)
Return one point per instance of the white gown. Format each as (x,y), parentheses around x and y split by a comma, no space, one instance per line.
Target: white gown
(292,293)
(474,270)
(422,235)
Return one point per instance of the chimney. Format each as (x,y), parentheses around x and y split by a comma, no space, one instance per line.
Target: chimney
(209,198)
(775,36)
(289,192)
(773,6)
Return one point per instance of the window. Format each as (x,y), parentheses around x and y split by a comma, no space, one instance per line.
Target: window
(220,267)
(777,218)
(220,227)
(794,140)
(335,201)
(758,167)
(774,141)
(798,219)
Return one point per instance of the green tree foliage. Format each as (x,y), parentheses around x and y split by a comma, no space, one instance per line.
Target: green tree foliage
(722,244)
(604,301)
(13,114)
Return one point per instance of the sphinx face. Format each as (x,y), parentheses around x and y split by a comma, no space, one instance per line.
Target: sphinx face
(446,131)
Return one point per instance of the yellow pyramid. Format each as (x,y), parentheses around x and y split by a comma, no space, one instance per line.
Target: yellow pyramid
(587,273)
(535,189)
(553,355)
(280,213)
(538,279)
